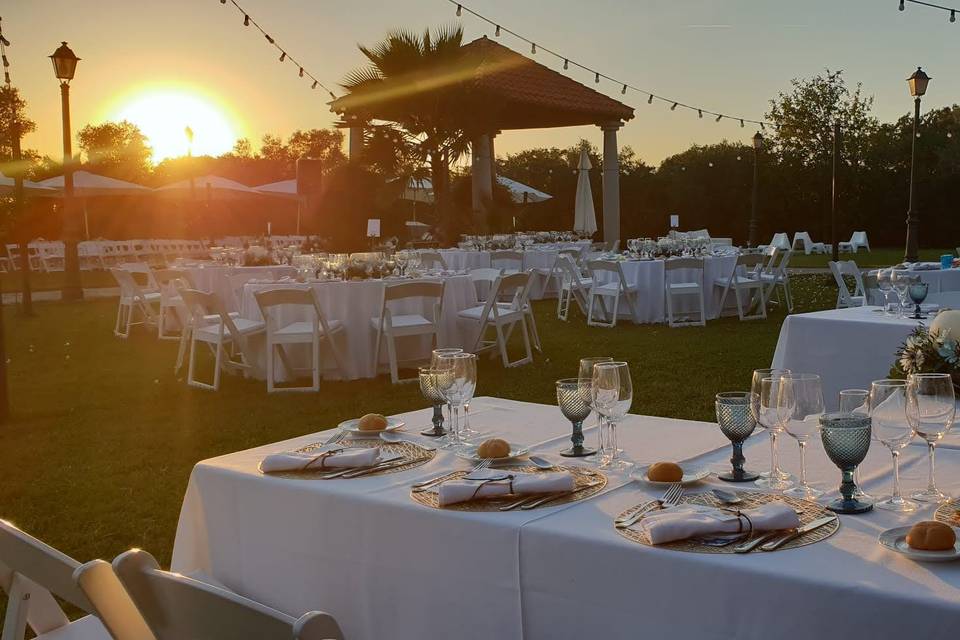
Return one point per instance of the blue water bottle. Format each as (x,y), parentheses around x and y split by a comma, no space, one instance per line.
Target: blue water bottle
(946,261)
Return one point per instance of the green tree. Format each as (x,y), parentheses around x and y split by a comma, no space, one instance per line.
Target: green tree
(116,149)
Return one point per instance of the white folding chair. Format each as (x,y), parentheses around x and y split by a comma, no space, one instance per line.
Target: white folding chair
(845,299)
(390,326)
(616,288)
(170,302)
(483,280)
(312,332)
(177,607)
(133,299)
(745,277)
(573,286)
(687,286)
(32,574)
(432,260)
(776,277)
(508,261)
(502,317)
(225,331)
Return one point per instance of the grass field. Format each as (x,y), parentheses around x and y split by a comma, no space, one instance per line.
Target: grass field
(13,282)
(882,257)
(97,453)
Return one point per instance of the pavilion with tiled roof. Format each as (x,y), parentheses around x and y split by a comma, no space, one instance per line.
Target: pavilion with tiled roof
(512,92)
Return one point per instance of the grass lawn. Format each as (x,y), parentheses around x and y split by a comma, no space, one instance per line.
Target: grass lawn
(880,257)
(97,453)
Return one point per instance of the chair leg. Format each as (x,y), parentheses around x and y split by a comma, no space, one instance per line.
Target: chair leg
(116,326)
(616,311)
(392,354)
(217,367)
(376,352)
(669,307)
(316,363)
(270,363)
(181,350)
(533,329)
(502,342)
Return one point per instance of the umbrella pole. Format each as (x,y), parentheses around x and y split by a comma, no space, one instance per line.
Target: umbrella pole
(86,220)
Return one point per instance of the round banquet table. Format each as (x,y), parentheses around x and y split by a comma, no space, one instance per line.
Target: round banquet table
(539,258)
(354,303)
(649,275)
(215,278)
(939,280)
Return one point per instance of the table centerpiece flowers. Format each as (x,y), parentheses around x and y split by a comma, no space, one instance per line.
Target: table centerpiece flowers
(932,350)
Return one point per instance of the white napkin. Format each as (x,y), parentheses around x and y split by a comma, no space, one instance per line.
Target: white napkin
(296,461)
(487,484)
(690,521)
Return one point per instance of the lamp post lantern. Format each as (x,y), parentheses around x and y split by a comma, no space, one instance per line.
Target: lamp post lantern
(64,66)
(917,82)
(752,229)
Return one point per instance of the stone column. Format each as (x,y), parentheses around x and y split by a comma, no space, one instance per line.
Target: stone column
(482,180)
(611,182)
(355,142)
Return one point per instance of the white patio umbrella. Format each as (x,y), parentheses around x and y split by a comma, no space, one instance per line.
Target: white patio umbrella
(88,185)
(7,184)
(584,218)
(283,189)
(209,187)
(518,190)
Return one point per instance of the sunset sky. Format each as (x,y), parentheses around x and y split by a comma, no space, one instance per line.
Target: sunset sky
(174,63)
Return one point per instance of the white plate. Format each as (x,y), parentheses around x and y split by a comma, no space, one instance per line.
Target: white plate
(691,475)
(896,540)
(350,426)
(469,452)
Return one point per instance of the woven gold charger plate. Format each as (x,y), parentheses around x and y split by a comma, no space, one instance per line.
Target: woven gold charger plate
(809,511)
(417,455)
(949,513)
(587,483)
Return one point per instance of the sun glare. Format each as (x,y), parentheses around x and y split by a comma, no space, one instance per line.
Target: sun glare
(164,115)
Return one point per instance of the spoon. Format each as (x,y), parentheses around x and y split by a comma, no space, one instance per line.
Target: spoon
(389,436)
(542,463)
(727,497)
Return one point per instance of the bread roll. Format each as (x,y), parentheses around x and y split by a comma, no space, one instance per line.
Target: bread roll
(931,536)
(494,448)
(372,422)
(665,472)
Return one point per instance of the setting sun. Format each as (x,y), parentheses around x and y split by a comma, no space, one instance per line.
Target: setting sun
(163,116)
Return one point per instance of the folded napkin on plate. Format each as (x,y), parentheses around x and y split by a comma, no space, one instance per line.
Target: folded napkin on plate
(490,483)
(690,521)
(313,460)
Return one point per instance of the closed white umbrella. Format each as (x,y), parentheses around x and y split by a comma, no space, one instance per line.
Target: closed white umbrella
(518,190)
(584,218)
(418,190)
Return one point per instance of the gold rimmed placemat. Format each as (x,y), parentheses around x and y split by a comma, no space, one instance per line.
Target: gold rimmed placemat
(411,450)
(587,483)
(808,512)
(949,513)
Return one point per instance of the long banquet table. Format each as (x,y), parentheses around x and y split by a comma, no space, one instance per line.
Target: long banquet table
(387,567)
(354,303)
(848,348)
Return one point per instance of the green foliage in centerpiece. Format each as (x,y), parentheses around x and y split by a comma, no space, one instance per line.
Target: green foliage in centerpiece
(928,351)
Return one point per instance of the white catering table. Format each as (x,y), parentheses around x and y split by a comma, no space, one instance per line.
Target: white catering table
(534,258)
(848,348)
(215,278)
(650,274)
(387,567)
(940,280)
(354,303)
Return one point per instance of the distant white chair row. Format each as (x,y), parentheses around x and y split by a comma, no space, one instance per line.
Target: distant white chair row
(48,255)
(802,241)
(132,599)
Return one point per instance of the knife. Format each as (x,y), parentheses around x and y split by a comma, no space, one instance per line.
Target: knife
(390,464)
(796,533)
(349,470)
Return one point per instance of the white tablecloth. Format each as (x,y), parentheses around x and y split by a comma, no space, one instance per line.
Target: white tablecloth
(387,567)
(848,348)
(650,275)
(216,279)
(536,258)
(354,303)
(939,280)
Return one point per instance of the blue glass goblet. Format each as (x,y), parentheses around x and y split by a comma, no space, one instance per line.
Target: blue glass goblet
(736,421)
(576,410)
(431,391)
(846,439)
(918,293)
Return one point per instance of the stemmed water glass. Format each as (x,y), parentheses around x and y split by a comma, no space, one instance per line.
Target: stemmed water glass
(799,407)
(585,385)
(885,284)
(856,402)
(931,409)
(457,380)
(575,409)
(431,391)
(465,431)
(612,392)
(846,440)
(918,293)
(901,282)
(735,417)
(764,408)
(888,412)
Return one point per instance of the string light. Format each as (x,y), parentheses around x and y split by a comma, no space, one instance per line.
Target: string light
(302,71)
(700,112)
(953,15)
(952,10)
(901,5)
(461,8)
(4,43)
(741,124)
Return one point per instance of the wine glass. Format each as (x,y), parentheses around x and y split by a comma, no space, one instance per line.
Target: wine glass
(612,392)
(431,391)
(585,377)
(457,380)
(931,408)
(735,417)
(465,430)
(888,411)
(901,282)
(799,407)
(846,440)
(885,284)
(852,402)
(575,409)
(775,478)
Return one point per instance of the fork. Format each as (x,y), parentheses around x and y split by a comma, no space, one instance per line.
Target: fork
(426,484)
(671,497)
(335,438)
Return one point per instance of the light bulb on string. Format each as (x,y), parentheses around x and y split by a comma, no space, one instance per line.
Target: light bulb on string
(741,123)
(5,62)
(596,77)
(246,20)
(332,95)
(949,134)
(901,5)
(650,99)
(700,112)
(301,72)
(566,64)
(533,48)
(674,107)
(283,56)
(953,15)
(223,1)
(459,10)
(314,85)
(624,90)
(497,32)
(269,38)
(719,118)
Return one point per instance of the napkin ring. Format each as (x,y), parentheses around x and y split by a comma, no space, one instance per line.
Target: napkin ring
(322,458)
(508,477)
(741,514)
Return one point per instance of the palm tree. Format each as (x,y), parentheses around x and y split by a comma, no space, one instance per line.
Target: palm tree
(417,81)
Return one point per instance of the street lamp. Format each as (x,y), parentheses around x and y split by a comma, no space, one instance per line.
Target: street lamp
(917,82)
(752,230)
(64,66)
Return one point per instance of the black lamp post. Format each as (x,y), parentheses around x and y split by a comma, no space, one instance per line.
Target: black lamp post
(917,82)
(64,66)
(752,229)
